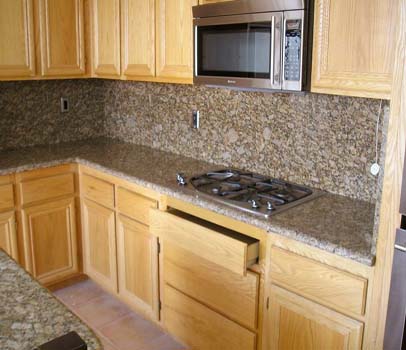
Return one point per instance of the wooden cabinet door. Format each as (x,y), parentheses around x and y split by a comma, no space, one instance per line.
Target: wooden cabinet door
(17,57)
(62,37)
(353,48)
(202,2)
(138,38)
(49,232)
(137,252)
(105,29)
(8,235)
(174,44)
(99,237)
(297,323)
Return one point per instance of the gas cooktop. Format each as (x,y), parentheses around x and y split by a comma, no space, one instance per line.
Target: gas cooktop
(250,192)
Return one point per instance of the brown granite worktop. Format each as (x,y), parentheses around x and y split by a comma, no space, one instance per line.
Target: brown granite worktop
(332,222)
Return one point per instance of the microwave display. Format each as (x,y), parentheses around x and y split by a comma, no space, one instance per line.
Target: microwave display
(293,42)
(235,50)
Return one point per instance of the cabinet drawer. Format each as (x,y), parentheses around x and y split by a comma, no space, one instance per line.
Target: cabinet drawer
(46,188)
(100,191)
(201,328)
(229,293)
(6,197)
(319,282)
(135,205)
(229,249)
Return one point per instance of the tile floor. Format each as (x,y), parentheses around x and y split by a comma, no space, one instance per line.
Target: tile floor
(118,327)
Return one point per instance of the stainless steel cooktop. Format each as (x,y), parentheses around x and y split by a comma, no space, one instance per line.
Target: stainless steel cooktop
(250,192)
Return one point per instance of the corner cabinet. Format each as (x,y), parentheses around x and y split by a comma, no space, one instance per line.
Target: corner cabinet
(353,47)
(8,234)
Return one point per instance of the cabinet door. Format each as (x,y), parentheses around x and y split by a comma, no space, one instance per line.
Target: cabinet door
(202,2)
(297,323)
(174,39)
(49,232)
(62,37)
(138,266)
(353,47)
(8,235)
(16,39)
(138,38)
(105,29)
(99,236)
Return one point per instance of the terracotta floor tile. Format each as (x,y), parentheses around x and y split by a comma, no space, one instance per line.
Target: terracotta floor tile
(164,342)
(79,293)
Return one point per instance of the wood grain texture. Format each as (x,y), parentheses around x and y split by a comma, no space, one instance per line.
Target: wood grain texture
(6,197)
(319,282)
(297,323)
(201,328)
(353,47)
(97,190)
(221,248)
(17,55)
(8,234)
(228,293)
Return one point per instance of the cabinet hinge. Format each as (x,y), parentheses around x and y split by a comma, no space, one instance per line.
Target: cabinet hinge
(159,248)
(267,303)
(160,305)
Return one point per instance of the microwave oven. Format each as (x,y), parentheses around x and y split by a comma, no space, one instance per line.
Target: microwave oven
(252,44)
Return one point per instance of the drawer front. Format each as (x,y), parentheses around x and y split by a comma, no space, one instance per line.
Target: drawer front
(135,205)
(47,188)
(99,191)
(6,197)
(234,252)
(229,293)
(201,328)
(318,282)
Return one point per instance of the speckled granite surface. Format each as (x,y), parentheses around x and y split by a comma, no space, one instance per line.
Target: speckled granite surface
(333,223)
(30,315)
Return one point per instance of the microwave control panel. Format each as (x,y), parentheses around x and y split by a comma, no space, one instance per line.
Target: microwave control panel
(293,49)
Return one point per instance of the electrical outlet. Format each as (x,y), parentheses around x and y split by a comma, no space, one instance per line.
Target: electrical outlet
(195,119)
(64,105)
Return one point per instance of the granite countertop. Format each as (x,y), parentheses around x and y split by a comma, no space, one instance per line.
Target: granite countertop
(30,315)
(333,223)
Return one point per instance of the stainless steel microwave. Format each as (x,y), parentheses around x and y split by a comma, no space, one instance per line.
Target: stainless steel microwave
(257,44)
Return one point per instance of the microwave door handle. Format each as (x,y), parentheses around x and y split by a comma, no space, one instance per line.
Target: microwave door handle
(272,50)
(275,49)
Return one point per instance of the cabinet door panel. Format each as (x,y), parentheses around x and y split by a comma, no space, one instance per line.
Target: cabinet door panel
(175,38)
(17,55)
(62,37)
(49,232)
(99,244)
(105,22)
(8,235)
(138,266)
(138,37)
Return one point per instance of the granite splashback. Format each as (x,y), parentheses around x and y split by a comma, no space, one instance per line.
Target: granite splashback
(30,112)
(318,140)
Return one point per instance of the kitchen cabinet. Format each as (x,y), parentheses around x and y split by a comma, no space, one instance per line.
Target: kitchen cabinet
(105,31)
(202,2)
(353,47)
(174,48)
(17,55)
(8,234)
(61,34)
(297,323)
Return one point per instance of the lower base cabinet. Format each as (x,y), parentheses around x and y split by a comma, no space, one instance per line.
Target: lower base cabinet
(297,323)
(8,234)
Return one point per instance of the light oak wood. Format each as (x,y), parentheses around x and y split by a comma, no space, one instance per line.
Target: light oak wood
(137,253)
(50,240)
(138,38)
(100,191)
(99,242)
(321,283)
(174,43)
(353,48)
(297,323)
(61,29)
(223,247)
(8,234)
(6,197)
(105,37)
(228,293)
(17,55)
(134,205)
(46,188)
(201,328)
(202,2)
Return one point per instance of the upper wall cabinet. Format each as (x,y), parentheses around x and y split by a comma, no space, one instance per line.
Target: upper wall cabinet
(353,47)
(62,37)
(105,29)
(17,56)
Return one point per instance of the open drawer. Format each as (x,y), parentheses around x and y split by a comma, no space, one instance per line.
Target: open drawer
(229,249)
